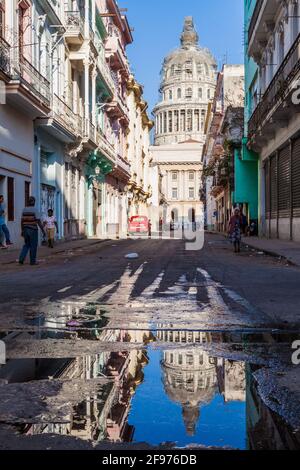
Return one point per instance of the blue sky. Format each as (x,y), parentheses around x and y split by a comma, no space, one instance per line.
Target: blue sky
(158,24)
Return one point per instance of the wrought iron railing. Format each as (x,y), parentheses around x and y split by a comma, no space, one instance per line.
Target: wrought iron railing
(74,22)
(254,19)
(279,87)
(5,59)
(33,80)
(66,116)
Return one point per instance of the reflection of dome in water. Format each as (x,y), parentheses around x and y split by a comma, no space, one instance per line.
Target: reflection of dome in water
(189,378)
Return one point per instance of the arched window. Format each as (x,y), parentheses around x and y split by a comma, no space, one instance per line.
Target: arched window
(179,93)
(200,93)
(174,215)
(189,93)
(172,70)
(192,215)
(170,95)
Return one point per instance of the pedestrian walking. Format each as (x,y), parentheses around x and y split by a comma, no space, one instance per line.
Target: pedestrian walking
(4,232)
(50,225)
(30,223)
(234,230)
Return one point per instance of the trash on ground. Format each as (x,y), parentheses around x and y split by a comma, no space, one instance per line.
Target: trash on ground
(132,256)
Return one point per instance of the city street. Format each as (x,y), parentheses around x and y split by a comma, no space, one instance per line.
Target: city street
(100,349)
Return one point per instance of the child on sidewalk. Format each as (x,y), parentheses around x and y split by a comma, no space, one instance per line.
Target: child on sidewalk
(50,224)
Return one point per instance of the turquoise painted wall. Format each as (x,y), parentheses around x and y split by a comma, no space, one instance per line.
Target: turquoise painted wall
(247,162)
(246,183)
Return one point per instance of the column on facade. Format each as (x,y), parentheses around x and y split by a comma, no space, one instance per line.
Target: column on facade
(86,89)
(94,76)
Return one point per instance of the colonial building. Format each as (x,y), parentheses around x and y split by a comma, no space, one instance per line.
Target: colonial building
(138,151)
(188,84)
(222,148)
(65,123)
(273,128)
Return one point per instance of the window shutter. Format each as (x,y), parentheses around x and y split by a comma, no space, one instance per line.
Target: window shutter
(10,199)
(284,203)
(296,177)
(273,188)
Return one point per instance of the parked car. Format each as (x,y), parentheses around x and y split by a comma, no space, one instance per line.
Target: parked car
(139,224)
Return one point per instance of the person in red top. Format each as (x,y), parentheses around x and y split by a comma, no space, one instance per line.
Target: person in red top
(235,228)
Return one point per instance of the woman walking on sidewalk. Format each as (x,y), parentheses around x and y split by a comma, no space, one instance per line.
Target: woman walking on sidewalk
(234,230)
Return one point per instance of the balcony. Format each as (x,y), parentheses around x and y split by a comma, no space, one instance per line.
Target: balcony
(254,19)
(122,169)
(62,122)
(116,54)
(90,135)
(118,109)
(5,63)
(74,27)
(105,147)
(274,106)
(53,10)
(262,24)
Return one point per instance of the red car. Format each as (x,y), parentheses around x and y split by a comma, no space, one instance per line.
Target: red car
(139,224)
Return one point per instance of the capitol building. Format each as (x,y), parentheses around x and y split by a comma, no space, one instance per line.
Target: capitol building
(188,80)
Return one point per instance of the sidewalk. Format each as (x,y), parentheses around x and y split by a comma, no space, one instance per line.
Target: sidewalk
(10,255)
(284,248)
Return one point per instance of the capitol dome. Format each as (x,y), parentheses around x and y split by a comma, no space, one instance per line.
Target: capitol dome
(188,80)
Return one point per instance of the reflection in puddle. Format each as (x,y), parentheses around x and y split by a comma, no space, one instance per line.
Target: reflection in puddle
(170,388)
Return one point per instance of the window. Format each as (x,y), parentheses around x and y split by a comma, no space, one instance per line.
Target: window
(202,119)
(182,121)
(10,199)
(200,94)
(189,120)
(191,193)
(189,360)
(165,123)
(197,120)
(176,121)
(170,95)
(170,121)
(174,176)
(2,19)
(179,93)
(27,192)
(208,94)
(174,193)
(191,175)
(189,93)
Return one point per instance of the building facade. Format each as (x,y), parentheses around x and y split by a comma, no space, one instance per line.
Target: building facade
(138,149)
(222,149)
(273,128)
(64,75)
(188,84)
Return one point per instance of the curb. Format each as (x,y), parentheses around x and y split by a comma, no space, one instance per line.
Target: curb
(274,254)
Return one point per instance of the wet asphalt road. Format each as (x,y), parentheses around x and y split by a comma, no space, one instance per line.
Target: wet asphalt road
(269,285)
(212,327)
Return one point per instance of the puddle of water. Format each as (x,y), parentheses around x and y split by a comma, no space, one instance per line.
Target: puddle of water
(177,392)
(184,403)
